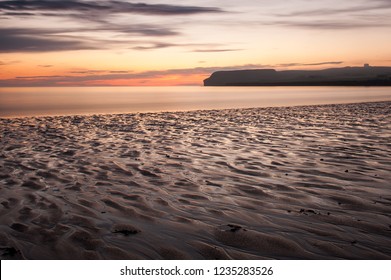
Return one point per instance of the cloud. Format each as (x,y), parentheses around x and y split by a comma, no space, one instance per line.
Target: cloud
(140,29)
(359,15)
(324,63)
(88,72)
(153,46)
(309,64)
(145,30)
(366,6)
(68,39)
(327,24)
(103,7)
(39,77)
(3,63)
(47,40)
(23,42)
(216,50)
(206,47)
(17,14)
(119,72)
(162,45)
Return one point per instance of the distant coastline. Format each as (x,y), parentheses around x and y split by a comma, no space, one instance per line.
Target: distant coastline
(347,76)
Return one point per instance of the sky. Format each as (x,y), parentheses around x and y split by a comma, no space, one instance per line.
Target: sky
(156,42)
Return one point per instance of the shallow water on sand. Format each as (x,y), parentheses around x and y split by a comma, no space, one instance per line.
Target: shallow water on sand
(308,182)
(16,102)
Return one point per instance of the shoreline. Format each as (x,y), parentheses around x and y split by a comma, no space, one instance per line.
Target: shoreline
(86,101)
(187,111)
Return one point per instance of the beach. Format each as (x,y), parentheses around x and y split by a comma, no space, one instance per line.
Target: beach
(302,182)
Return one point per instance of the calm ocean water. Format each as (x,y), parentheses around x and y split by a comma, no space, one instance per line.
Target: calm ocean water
(20,102)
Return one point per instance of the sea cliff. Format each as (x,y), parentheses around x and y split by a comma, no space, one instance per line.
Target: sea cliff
(347,76)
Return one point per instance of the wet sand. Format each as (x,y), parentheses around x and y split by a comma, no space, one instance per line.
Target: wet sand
(310,182)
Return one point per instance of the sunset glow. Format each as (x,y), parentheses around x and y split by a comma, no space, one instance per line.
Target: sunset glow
(93,43)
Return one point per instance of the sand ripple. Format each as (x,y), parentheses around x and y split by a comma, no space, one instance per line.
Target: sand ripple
(310,182)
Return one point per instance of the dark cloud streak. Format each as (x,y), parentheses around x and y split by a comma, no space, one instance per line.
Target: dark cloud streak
(329,25)
(378,5)
(47,40)
(17,14)
(216,50)
(154,46)
(14,43)
(309,64)
(104,7)
(146,30)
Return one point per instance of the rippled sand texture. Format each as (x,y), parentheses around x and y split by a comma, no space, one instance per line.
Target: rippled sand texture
(308,182)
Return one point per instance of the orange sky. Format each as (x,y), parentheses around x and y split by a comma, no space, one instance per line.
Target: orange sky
(74,43)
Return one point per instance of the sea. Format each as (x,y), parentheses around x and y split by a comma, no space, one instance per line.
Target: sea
(57,101)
